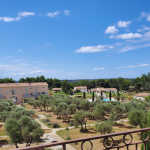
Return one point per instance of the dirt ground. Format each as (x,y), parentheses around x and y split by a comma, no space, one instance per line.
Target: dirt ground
(98,144)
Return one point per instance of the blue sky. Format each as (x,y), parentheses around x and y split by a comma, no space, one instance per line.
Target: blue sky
(74,39)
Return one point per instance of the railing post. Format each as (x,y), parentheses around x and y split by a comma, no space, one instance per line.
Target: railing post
(64,147)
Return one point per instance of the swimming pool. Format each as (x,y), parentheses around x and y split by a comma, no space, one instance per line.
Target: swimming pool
(105,99)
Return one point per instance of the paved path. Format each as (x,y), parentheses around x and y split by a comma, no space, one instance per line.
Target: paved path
(43,126)
(53,134)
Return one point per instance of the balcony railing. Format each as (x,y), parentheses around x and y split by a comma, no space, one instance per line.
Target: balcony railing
(105,139)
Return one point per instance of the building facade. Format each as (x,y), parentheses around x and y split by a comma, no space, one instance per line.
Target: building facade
(81,88)
(18,91)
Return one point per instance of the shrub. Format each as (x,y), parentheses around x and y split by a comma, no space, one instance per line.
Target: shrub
(98,120)
(105,127)
(48,115)
(46,120)
(68,137)
(49,123)
(67,128)
(71,123)
(55,125)
(22,105)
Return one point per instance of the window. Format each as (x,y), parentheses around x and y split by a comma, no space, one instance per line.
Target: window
(0,95)
(26,94)
(36,93)
(43,87)
(13,92)
(43,93)
(36,88)
(18,92)
(30,88)
(7,92)
(26,88)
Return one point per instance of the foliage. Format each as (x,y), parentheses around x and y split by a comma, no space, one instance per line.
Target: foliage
(65,86)
(137,117)
(55,125)
(68,137)
(104,127)
(93,96)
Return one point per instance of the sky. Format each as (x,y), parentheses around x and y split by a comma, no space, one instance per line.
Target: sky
(74,39)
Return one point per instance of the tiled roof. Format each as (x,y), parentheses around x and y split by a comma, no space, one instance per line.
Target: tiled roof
(80,87)
(94,89)
(22,84)
(142,94)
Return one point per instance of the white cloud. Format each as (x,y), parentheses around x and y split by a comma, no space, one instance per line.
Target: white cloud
(8,19)
(142,65)
(54,14)
(144,28)
(18,60)
(128,48)
(147,34)
(92,49)
(128,36)
(31,72)
(25,14)
(144,14)
(20,15)
(61,70)
(123,23)
(86,69)
(66,12)
(111,29)
(99,68)
(19,50)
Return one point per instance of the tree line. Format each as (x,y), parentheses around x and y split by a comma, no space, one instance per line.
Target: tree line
(119,83)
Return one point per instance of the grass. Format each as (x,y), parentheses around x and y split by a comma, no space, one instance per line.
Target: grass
(97,144)
(2,130)
(58,93)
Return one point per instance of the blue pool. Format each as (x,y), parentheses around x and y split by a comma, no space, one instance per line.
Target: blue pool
(105,99)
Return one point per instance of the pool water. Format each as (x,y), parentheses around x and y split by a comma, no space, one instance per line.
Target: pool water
(105,99)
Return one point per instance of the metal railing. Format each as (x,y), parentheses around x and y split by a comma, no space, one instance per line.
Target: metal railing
(103,137)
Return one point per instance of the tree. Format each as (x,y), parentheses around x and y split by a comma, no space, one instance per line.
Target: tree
(104,127)
(85,105)
(84,95)
(117,111)
(101,95)
(93,96)
(137,117)
(92,84)
(99,112)
(110,95)
(42,79)
(145,134)
(80,118)
(65,86)
(13,129)
(31,130)
(56,83)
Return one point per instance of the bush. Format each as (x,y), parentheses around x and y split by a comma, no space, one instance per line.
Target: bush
(105,127)
(67,128)
(46,120)
(68,137)
(48,115)
(55,125)
(49,123)
(22,105)
(71,123)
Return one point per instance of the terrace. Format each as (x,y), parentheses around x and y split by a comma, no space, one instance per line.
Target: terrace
(108,141)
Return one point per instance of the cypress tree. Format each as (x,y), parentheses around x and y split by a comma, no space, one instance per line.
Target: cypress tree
(118,93)
(110,95)
(84,95)
(101,95)
(93,96)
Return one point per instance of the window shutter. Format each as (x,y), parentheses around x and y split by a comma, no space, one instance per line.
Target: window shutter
(15,92)
(11,92)
(0,95)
